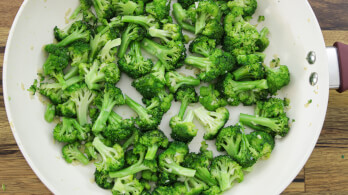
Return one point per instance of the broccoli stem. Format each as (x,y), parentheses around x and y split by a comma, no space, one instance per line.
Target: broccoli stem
(71,81)
(133,169)
(151,152)
(76,35)
(79,156)
(114,118)
(183,108)
(232,146)
(200,23)
(176,169)
(204,175)
(73,71)
(82,104)
(75,13)
(125,41)
(107,106)
(130,141)
(241,73)
(136,107)
(256,120)
(198,62)
(93,77)
(224,181)
(50,112)
(152,47)
(141,20)
(162,34)
(250,85)
(179,15)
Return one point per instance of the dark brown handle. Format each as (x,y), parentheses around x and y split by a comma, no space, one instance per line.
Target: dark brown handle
(342,51)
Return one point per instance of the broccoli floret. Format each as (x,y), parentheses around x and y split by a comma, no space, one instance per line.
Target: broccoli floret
(53,92)
(201,163)
(82,98)
(211,98)
(152,84)
(212,121)
(149,176)
(185,18)
(127,7)
(131,158)
(134,138)
(263,41)
(206,10)
(144,21)
(103,180)
(133,32)
(170,32)
(213,190)
(153,140)
(277,78)
(262,142)
(50,112)
(66,109)
(171,55)
(90,151)
(203,45)
(133,63)
(246,92)
(166,179)
(118,129)
(273,107)
(186,3)
(72,153)
(111,97)
(226,171)
(158,9)
(213,30)
(78,52)
(98,73)
(252,67)
(147,119)
(175,80)
(84,5)
(139,166)
(192,186)
(103,8)
(69,130)
(217,64)
(164,190)
(127,185)
(183,129)
(79,30)
(249,6)
(251,59)
(234,141)
(57,61)
(112,158)
(161,103)
(276,126)
(107,53)
(170,160)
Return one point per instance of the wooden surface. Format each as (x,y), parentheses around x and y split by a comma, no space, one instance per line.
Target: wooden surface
(326,171)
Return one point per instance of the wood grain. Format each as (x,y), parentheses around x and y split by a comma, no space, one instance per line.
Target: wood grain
(326,171)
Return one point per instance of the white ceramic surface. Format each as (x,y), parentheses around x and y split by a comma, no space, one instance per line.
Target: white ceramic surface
(292,37)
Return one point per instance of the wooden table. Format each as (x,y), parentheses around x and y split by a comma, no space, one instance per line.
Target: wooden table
(326,171)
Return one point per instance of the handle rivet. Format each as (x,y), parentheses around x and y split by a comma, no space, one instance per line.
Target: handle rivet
(311,57)
(313,79)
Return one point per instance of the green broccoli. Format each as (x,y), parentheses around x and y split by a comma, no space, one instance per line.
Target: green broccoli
(166,179)
(153,140)
(213,190)
(149,176)
(217,64)
(277,78)
(66,109)
(170,160)
(175,80)
(164,190)
(111,97)
(211,98)
(161,103)
(84,5)
(205,11)
(133,63)
(133,139)
(69,130)
(158,9)
(103,8)
(193,186)
(185,18)
(246,92)
(107,53)
(54,92)
(233,140)
(144,21)
(262,142)
(186,3)
(112,158)
(127,185)
(72,153)
(127,7)
(270,108)
(50,112)
(82,98)
(147,119)
(98,73)
(276,126)
(170,32)
(249,6)
(251,69)
(213,30)
(171,55)
(212,121)
(203,45)
(103,180)
(79,30)
(78,52)
(226,171)
(152,84)
(133,32)
(118,129)
(90,151)
(183,129)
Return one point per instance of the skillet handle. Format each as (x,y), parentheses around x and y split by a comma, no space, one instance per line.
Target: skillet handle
(342,51)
